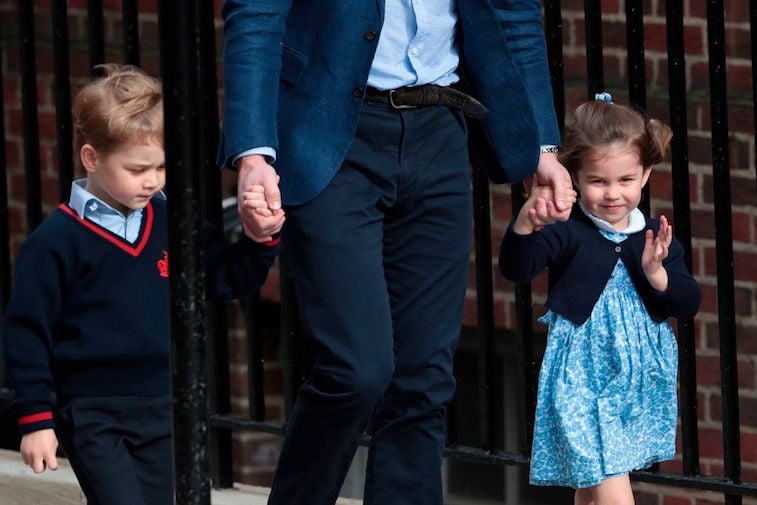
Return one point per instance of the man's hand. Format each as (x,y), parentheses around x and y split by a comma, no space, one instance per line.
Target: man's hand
(551,173)
(537,212)
(260,222)
(38,450)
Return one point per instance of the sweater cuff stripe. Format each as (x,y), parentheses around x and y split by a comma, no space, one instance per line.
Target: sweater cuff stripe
(35,418)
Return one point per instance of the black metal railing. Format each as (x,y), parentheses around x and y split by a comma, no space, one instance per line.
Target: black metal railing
(199,337)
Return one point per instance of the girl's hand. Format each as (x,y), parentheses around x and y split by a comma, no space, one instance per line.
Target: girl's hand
(540,210)
(655,251)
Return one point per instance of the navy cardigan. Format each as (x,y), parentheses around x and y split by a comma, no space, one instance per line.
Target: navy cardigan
(581,260)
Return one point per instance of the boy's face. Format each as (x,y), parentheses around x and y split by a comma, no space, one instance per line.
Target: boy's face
(128,177)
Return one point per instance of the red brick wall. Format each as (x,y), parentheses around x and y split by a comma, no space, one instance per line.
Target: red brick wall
(255,454)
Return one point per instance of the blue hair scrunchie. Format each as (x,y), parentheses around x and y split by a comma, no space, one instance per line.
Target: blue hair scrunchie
(603,97)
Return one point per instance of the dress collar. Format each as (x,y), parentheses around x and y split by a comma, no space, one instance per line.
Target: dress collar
(636,221)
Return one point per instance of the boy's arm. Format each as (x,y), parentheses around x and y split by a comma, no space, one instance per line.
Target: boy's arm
(30,317)
(235,270)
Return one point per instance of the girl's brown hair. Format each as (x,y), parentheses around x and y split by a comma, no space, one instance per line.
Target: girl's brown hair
(598,125)
(124,105)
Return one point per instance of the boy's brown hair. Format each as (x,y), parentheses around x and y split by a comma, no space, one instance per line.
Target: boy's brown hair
(124,105)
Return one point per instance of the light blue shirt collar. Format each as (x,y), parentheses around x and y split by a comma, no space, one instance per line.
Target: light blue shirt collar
(636,221)
(91,208)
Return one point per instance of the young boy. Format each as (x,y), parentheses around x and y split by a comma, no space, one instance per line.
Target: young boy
(87,326)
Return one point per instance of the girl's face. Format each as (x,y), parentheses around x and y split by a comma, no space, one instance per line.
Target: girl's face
(610,184)
(127,177)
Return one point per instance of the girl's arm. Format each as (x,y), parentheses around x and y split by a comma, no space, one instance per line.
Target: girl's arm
(524,256)
(681,295)
(655,251)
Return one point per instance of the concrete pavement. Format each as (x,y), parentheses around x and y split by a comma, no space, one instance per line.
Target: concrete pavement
(20,486)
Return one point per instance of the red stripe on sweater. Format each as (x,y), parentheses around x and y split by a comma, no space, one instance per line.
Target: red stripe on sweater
(133,250)
(35,418)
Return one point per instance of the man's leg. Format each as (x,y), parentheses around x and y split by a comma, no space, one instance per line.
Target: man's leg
(334,245)
(426,255)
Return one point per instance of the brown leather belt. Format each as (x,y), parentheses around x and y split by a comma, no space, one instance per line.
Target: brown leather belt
(423,96)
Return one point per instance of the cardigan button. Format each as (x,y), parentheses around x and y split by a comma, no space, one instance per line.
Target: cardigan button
(370,36)
(617,248)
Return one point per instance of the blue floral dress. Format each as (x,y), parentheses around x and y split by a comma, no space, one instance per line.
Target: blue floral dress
(607,400)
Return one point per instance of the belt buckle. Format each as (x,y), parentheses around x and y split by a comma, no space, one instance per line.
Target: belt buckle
(395,106)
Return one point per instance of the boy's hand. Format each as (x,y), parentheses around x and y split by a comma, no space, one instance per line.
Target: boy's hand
(38,450)
(253,203)
(656,250)
(260,222)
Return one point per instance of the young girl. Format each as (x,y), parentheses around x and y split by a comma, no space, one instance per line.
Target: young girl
(607,388)
(87,325)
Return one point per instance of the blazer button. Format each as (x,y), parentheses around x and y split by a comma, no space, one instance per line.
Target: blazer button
(358,92)
(617,248)
(370,35)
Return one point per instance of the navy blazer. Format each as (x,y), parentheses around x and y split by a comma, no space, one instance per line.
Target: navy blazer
(295,72)
(581,260)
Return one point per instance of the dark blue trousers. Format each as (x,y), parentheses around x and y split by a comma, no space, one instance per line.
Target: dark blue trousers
(119,448)
(380,265)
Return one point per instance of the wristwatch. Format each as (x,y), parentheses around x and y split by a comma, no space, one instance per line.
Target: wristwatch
(548,149)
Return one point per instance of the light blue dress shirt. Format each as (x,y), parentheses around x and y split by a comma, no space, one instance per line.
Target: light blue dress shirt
(416,47)
(91,208)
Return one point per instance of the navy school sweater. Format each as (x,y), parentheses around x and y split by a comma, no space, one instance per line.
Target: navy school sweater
(89,312)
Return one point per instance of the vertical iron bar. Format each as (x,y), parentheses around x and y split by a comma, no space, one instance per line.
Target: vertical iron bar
(219,392)
(527,365)
(130,16)
(594,63)
(255,360)
(724,244)
(62,92)
(96,33)
(179,65)
(527,369)
(637,80)
(291,337)
(485,307)
(553,32)
(753,35)
(219,386)
(5,253)
(682,222)
(32,166)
